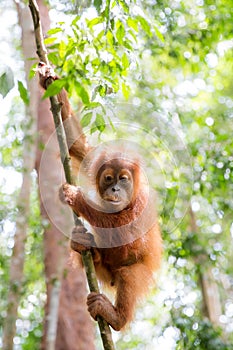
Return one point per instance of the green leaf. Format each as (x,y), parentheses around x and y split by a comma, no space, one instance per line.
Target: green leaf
(113,4)
(94,21)
(128,46)
(98,4)
(23,93)
(53,58)
(93,128)
(107,12)
(102,90)
(100,122)
(33,70)
(133,23)
(125,61)
(54,88)
(62,49)
(133,34)
(6,81)
(50,40)
(93,105)
(75,20)
(120,33)
(96,62)
(110,38)
(100,35)
(86,119)
(125,90)
(82,93)
(158,34)
(124,5)
(145,25)
(54,31)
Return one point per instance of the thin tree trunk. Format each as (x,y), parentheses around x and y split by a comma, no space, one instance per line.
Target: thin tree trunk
(211,297)
(67,323)
(17,260)
(212,308)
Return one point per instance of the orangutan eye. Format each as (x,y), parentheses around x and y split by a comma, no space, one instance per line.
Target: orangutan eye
(124,177)
(108,178)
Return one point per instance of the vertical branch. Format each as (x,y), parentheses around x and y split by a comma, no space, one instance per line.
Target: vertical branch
(41,49)
(56,111)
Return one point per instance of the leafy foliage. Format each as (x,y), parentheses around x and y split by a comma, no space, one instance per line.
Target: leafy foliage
(99,49)
(204,337)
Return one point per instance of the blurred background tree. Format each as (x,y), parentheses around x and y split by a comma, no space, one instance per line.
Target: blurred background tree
(157,73)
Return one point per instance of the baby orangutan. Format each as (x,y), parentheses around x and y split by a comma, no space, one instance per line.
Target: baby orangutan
(126,243)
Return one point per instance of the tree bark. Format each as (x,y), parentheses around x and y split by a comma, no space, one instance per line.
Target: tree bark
(211,303)
(67,323)
(17,260)
(211,298)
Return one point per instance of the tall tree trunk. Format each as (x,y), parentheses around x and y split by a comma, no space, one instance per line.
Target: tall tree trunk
(67,323)
(29,151)
(212,308)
